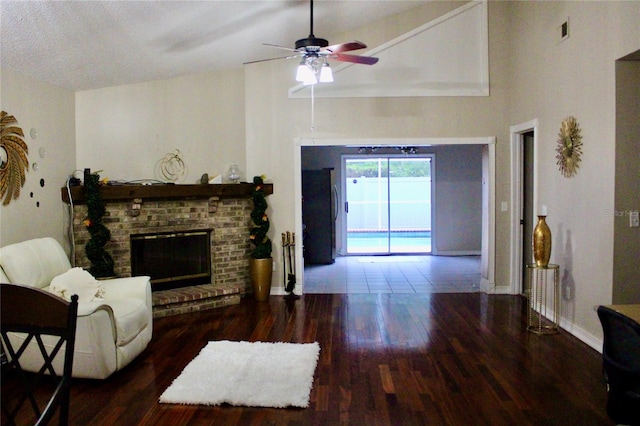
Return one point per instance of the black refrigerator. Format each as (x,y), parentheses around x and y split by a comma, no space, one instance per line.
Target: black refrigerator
(319,195)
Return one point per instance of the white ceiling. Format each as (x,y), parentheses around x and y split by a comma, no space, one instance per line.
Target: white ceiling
(83,45)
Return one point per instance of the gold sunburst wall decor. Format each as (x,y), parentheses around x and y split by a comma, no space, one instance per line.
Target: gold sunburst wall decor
(569,147)
(14,163)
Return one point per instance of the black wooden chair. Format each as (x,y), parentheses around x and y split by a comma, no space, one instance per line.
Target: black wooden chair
(621,365)
(50,323)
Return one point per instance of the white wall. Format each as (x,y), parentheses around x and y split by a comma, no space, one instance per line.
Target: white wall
(39,211)
(274,121)
(215,119)
(550,81)
(626,274)
(126,130)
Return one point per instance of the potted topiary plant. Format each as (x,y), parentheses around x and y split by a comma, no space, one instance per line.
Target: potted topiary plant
(101,262)
(260,263)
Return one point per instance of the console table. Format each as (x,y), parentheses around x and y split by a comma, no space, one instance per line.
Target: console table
(543,296)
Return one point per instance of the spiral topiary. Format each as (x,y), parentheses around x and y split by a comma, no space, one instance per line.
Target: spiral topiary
(258,234)
(101,261)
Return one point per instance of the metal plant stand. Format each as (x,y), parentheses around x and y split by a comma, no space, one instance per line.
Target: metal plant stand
(543,297)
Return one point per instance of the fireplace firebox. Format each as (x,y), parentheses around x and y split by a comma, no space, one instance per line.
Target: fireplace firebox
(172,259)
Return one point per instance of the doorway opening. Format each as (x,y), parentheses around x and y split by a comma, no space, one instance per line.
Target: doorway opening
(454,186)
(526,210)
(388,204)
(524,200)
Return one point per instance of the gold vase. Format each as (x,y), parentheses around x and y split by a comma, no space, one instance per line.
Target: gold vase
(541,242)
(260,271)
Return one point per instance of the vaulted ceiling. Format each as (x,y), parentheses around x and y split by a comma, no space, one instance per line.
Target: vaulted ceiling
(82,45)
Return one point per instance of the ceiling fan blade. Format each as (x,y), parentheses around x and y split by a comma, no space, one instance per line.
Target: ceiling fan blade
(279,47)
(345,57)
(270,59)
(346,47)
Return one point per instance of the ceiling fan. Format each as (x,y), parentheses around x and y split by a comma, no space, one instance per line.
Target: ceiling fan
(315,52)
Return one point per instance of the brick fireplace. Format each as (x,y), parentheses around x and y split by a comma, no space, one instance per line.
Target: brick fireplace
(142,210)
(172,259)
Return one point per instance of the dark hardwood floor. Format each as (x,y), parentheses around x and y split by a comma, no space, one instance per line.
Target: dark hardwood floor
(386,359)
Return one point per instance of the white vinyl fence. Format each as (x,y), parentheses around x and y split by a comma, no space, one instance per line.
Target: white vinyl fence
(369,204)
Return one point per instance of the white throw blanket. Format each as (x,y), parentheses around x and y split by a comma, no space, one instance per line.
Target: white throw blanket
(77,281)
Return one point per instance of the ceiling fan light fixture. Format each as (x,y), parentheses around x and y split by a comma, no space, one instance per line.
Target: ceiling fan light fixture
(303,72)
(306,74)
(310,80)
(326,75)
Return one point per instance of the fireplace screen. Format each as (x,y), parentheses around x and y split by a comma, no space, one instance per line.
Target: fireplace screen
(172,260)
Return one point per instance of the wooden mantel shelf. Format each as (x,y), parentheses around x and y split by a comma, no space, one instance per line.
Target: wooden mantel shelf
(166,191)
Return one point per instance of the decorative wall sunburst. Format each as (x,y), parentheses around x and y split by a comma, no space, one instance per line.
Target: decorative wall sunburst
(14,162)
(569,148)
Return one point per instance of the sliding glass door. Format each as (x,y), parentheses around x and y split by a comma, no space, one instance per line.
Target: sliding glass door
(388,204)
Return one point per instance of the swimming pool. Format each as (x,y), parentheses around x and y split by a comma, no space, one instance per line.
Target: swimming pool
(389,242)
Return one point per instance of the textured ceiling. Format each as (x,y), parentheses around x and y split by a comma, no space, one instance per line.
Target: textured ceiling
(83,45)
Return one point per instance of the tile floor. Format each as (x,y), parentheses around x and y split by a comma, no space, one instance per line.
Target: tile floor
(395,274)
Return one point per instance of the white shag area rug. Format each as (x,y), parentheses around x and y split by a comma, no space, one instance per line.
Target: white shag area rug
(254,374)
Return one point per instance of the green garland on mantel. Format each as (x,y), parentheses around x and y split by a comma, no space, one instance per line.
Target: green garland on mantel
(258,235)
(101,261)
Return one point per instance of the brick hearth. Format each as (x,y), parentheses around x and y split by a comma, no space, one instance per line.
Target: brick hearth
(194,298)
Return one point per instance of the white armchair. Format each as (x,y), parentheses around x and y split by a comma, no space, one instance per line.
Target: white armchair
(110,332)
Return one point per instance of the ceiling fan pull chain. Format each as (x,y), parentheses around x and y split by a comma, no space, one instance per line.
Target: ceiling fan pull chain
(313,103)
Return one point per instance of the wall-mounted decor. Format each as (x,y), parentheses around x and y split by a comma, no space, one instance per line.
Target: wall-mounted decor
(13,158)
(569,149)
(171,167)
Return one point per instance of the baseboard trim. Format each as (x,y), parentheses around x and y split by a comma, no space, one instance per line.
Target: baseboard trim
(487,286)
(458,253)
(578,332)
(581,334)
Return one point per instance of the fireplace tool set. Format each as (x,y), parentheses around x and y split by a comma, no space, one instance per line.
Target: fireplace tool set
(289,264)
